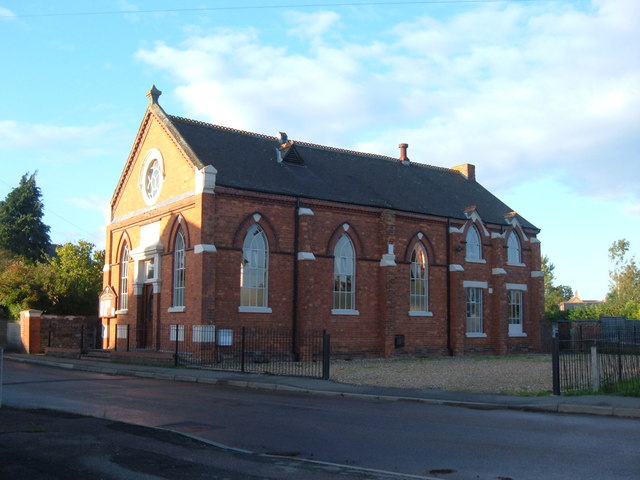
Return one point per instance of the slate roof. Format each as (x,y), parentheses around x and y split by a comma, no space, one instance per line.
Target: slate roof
(248,161)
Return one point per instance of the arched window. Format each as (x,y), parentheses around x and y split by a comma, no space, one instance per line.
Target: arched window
(474,251)
(254,269)
(344,275)
(514,256)
(179,269)
(419,299)
(124,278)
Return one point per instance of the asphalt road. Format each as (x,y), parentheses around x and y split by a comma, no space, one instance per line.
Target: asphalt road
(406,437)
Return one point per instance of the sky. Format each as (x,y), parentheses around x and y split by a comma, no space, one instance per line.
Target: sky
(542,96)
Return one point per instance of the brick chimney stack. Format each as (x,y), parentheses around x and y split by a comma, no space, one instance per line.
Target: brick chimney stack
(466,169)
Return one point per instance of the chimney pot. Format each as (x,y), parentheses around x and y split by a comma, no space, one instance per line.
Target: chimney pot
(403,152)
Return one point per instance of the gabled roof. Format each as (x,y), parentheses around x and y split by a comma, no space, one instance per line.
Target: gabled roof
(250,161)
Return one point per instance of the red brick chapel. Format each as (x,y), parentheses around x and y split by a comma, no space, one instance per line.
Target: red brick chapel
(213,226)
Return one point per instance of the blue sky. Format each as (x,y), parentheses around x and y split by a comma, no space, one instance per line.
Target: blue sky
(542,96)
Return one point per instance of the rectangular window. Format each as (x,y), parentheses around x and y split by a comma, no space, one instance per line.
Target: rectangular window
(176,332)
(474,311)
(121,331)
(203,333)
(515,312)
(149,269)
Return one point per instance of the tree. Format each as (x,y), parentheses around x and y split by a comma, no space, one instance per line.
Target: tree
(76,279)
(624,295)
(22,231)
(68,283)
(22,286)
(553,295)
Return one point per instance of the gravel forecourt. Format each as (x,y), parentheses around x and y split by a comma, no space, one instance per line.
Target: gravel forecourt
(510,374)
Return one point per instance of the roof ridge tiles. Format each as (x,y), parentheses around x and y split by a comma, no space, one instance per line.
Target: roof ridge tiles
(306,144)
(221,127)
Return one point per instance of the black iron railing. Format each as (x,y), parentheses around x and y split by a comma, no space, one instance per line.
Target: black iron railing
(242,349)
(596,356)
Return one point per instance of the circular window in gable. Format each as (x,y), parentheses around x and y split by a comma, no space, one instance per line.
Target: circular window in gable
(152,176)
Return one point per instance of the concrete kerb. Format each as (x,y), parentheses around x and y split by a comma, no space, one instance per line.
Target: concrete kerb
(559,407)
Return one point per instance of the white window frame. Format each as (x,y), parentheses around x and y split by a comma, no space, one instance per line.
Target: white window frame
(515,301)
(123,301)
(152,169)
(474,303)
(179,329)
(514,250)
(344,277)
(419,282)
(473,250)
(179,272)
(254,272)
(203,333)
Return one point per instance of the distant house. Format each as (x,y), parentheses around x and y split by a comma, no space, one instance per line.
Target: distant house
(212,226)
(577,302)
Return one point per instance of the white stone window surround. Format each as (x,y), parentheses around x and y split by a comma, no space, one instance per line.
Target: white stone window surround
(249,309)
(151,177)
(344,311)
(149,251)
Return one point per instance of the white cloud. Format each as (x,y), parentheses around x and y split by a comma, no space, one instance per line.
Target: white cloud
(311,26)
(516,89)
(94,203)
(6,14)
(53,142)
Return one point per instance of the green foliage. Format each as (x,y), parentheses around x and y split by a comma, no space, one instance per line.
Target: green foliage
(623,299)
(553,295)
(68,283)
(625,277)
(76,279)
(22,231)
(22,286)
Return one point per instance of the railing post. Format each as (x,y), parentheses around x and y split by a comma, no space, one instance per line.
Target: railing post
(326,350)
(1,367)
(50,332)
(595,369)
(128,335)
(555,357)
(242,350)
(81,337)
(175,359)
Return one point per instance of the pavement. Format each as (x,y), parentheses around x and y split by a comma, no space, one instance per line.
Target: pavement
(607,405)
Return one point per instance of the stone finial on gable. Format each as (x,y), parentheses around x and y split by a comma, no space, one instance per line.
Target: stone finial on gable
(153,94)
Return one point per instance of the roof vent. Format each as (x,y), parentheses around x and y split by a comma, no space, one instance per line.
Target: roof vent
(403,153)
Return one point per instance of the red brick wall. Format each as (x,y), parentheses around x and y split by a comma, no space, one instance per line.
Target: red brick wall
(382,293)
